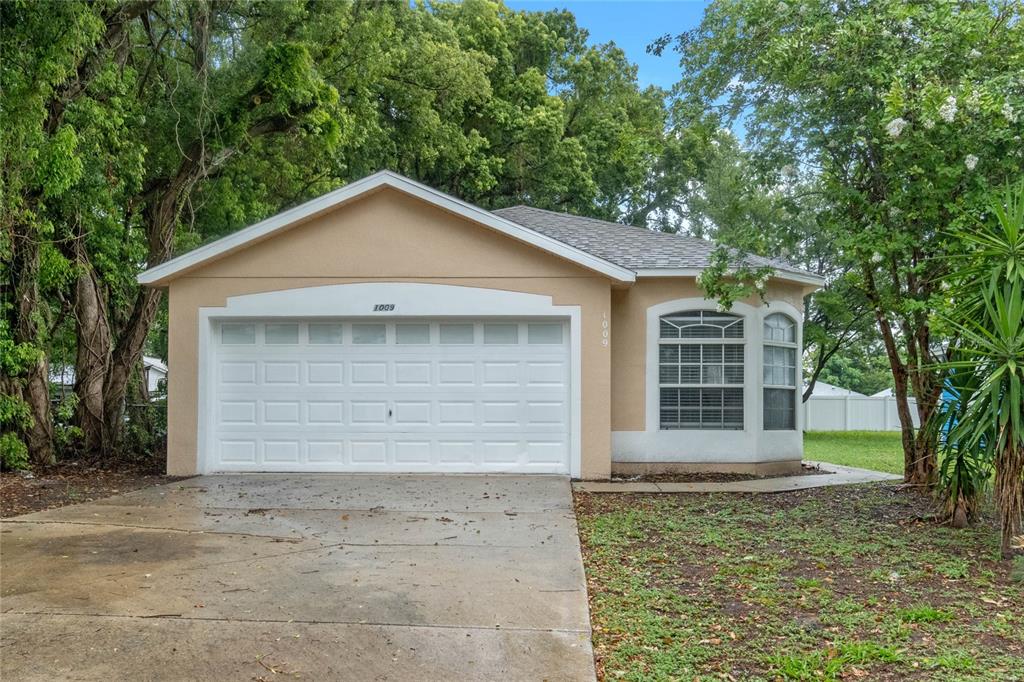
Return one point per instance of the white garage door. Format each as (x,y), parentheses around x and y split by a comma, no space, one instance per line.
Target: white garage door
(411,395)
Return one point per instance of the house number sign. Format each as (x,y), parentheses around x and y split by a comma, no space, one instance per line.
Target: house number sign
(383,307)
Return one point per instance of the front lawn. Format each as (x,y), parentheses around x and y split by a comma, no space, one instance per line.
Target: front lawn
(878,450)
(832,583)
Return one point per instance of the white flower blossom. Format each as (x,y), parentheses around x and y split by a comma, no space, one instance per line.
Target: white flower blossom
(947,112)
(970,161)
(974,54)
(876,257)
(781,7)
(974,102)
(1009,113)
(928,123)
(896,126)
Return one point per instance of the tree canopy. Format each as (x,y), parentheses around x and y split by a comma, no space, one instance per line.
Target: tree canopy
(903,114)
(135,130)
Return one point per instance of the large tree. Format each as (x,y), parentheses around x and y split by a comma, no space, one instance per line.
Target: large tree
(905,113)
(145,128)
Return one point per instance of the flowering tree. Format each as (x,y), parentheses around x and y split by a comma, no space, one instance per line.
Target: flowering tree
(905,113)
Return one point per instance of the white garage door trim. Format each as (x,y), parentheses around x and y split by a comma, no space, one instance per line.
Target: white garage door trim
(389,300)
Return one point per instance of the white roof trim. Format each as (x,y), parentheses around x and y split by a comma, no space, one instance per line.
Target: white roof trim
(282,220)
(812,280)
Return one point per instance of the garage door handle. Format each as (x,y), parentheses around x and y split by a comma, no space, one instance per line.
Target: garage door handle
(389,413)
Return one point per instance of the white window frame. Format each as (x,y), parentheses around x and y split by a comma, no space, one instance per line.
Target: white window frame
(722,341)
(765,386)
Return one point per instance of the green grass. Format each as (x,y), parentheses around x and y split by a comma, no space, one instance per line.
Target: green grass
(878,450)
(828,584)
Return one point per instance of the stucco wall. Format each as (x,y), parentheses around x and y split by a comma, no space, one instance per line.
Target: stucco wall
(629,396)
(388,236)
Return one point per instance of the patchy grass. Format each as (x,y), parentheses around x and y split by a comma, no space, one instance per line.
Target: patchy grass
(825,584)
(878,450)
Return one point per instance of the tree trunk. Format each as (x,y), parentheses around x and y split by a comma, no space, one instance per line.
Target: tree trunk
(93,357)
(35,388)
(36,392)
(159,217)
(1009,491)
(126,358)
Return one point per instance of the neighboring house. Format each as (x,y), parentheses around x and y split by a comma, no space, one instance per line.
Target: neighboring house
(822,389)
(156,375)
(62,377)
(387,326)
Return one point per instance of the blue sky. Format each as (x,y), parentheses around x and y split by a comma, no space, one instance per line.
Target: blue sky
(632,26)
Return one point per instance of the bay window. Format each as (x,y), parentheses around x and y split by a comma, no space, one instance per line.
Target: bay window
(780,373)
(701,370)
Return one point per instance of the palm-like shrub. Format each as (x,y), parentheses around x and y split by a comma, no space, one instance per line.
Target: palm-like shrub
(983,422)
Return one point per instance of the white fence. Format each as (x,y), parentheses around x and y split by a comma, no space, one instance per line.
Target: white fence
(853,413)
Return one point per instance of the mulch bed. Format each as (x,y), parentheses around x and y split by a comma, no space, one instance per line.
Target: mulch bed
(713,477)
(71,483)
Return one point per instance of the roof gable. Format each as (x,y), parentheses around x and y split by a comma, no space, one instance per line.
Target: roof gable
(274,225)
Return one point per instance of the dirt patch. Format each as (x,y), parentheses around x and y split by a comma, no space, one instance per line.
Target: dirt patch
(70,483)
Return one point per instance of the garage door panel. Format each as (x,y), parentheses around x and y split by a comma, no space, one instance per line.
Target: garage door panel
(316,401)
(365,412)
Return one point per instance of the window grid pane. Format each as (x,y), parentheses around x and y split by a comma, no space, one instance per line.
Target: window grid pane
(456,333)
(324,333)
(412,334)
(282,334)
(702,324)
(778,327)
(779,409)
(363,334)
(544,333)
(238,334)
(696,378)
(703,363)
(702,408)
(779,366)
(501,334)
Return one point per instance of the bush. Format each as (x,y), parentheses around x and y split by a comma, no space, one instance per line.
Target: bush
(13,453)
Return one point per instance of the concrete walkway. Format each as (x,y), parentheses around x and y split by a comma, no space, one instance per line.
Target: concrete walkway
(832,474)
(319,577)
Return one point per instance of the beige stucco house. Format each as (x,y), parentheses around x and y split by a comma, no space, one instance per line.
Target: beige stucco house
(388,327)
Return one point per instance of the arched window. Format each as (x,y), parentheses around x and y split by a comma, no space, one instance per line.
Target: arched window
(700,370)
(780,373)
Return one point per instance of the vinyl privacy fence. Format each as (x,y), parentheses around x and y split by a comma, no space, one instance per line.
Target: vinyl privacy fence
(854,413)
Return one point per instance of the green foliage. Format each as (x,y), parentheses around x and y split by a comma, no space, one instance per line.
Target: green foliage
(984,419)
(860,366)
(15,416)
(13,452)
(831,663)
(134,131)
(903,115)
(925,614)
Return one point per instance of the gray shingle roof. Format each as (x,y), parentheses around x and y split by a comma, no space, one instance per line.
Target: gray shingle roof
(636,248)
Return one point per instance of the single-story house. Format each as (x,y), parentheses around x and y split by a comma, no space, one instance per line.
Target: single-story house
(388,327)
(62,377)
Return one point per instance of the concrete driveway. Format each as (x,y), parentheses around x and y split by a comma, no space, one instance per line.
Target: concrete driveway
(357,577)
